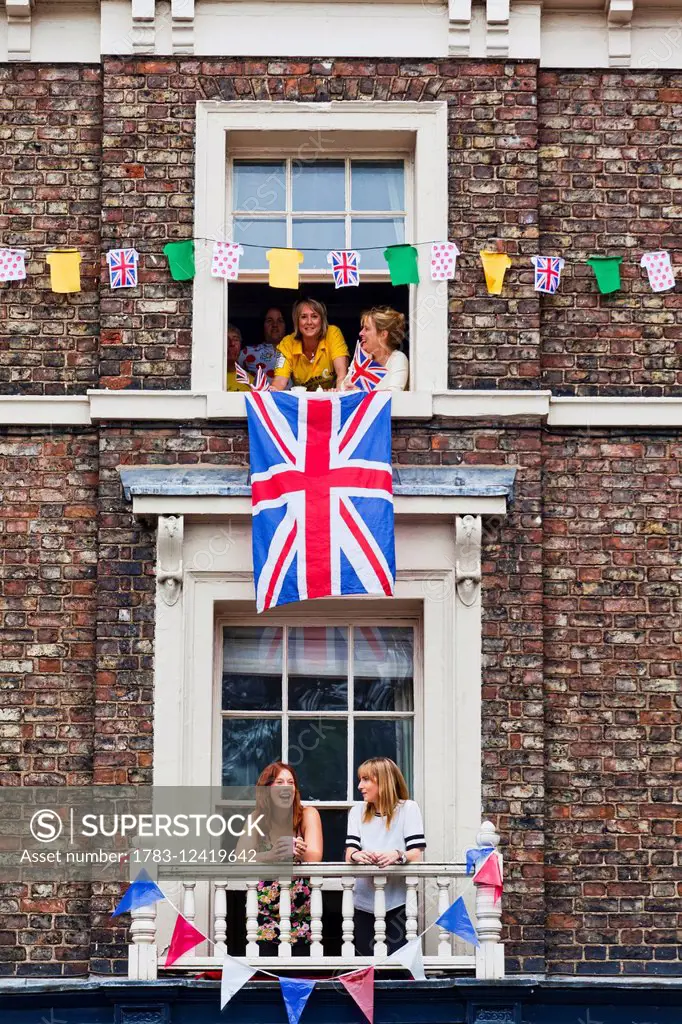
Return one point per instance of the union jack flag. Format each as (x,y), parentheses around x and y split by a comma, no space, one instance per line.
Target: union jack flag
(122,268)
(365,372)
(322,496)
(547,273)
(261,383)
(344,263)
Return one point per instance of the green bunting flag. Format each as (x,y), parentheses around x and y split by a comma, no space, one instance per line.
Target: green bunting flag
(607,271)
(402,263)
(180,259)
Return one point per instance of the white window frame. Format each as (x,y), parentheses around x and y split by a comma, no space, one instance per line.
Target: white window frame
(309,617)
(378,127)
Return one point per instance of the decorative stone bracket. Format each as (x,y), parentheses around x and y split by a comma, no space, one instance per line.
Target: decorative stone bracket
(468,558)
(18,29)
(169,558)
(619,22)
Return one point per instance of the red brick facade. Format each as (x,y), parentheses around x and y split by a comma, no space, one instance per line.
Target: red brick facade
(580,698)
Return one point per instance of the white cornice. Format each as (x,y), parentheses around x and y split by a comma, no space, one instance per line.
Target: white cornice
(184,406)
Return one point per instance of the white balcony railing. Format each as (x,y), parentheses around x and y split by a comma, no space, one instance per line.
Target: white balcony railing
(431,888)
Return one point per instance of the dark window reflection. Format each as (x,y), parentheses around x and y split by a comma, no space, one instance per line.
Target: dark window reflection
(252,668)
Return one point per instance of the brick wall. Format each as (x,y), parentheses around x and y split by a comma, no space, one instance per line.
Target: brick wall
(48,559)
(610,185)
(148,197)
(613,529)
(50,145)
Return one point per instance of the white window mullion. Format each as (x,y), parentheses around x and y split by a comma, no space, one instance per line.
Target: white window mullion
(285,693)
(348,208)
(289,204)
(351,716)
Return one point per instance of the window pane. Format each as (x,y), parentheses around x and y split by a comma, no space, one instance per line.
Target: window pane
(267,234)
(318,668)
(334,833)
(324,235)
(377,185)
(249,744)
(258,186)
(381,737)
(319,186)
(382,666)
(377,234)
(318,752)
(252,668)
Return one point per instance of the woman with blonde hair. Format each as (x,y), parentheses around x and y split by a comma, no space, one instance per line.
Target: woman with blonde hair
(385,829)
(315,354)
(382,334)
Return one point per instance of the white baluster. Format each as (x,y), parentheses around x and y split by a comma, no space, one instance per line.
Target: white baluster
(284,950)
(189,906)
(142,952)
(252,947)
(380,948)
(220,918)
(490,952)
(347,913)
(411,907)
(316,947)
(444,936)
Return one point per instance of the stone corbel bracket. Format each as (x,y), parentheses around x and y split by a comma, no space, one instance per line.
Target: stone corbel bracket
(468,558)
(144,26)
(182,26)
(619,24)
(459,31)
(497,28)
(18,29)
(169,558)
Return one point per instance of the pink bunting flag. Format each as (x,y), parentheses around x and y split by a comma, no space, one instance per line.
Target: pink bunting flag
(360,986)
(185,937)
(489,873)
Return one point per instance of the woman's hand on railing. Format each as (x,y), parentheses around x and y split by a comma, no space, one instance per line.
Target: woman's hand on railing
(362,857)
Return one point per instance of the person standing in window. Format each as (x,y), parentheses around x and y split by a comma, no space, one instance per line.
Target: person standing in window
(385,829)
(315,355)
(291,831)
(264,354)
(234,345)
(382,334)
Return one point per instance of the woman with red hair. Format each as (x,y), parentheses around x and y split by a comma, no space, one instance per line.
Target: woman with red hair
(291,831)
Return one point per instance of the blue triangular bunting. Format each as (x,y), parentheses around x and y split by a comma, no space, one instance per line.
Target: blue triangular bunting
(456,920)
(295,994)
(140,893)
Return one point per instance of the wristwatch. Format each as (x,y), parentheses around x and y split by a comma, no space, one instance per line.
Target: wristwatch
(402,857)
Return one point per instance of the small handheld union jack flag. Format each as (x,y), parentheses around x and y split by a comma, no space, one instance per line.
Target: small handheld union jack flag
(365,372)
(122,268)
(547,273)
(261,383)
(344,264)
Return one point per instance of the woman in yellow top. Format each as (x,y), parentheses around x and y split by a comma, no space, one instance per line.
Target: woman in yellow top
(315,355)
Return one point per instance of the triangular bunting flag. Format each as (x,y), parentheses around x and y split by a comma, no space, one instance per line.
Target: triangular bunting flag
(475,855)
(360,986)
(142,892)
(185,937)
(236,973)
(489,874)
(410,956)
(495,265)
(295,993)
(456,920)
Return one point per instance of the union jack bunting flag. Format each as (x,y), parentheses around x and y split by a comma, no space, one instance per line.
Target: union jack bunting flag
(322,496)
(344,264)
(547,273)
(365,372)
(122,268)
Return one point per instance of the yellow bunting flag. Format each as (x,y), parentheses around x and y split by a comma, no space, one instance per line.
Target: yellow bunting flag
(65,274)
(495,266)
(283,267)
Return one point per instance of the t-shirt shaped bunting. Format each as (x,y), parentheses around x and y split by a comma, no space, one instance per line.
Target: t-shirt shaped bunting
(322,496)
(12,265)
(225,261)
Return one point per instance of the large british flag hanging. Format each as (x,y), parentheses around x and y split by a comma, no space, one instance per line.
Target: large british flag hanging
(322,495)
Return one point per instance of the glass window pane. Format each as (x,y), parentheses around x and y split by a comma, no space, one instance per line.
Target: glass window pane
(377,185)
(319,186)
(334,833)
(252,668)
(259,186)
(382,666)
(318,668)
(323,235)
(382,737)
(249,744)
(266,234)
(318,752)
(377,234)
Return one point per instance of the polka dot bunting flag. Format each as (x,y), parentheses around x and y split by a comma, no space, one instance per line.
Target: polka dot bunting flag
(225,262)
(12,265)
(443,261)
(661,274)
